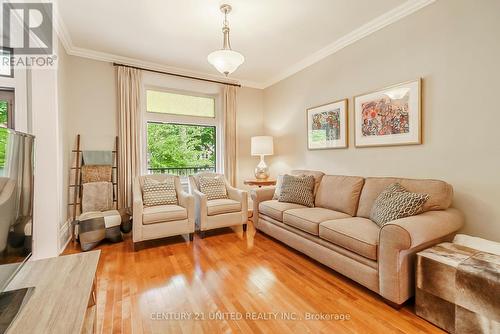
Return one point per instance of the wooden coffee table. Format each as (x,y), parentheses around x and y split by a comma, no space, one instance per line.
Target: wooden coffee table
(260,183)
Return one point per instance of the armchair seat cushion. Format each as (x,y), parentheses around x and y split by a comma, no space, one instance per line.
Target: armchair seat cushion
(223,205)
(308,219)
(163,213)
(359,235)
(275,209)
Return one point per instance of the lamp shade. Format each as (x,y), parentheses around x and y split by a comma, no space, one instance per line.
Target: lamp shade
(262,145)
(226,61)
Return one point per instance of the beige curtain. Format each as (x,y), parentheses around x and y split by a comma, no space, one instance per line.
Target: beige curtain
(129,132)
(230,133)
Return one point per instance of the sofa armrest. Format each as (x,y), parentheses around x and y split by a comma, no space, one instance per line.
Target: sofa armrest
(137,207)
(401,239)
(187,201)
(260,195)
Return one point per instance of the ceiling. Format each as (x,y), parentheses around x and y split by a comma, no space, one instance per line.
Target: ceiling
(277,37)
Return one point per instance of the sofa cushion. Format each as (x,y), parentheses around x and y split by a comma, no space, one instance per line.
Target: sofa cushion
(359,235)
(275,209)
(339,193)
(298,190)
(440,193)
(308,219)
(163,213)
(220,206)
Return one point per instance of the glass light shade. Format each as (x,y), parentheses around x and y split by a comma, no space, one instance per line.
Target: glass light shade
(226,61)
(262,145)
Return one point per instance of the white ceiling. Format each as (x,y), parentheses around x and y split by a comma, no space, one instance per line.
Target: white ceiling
(277,37)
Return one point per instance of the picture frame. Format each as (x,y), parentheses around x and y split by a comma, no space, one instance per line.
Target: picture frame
(327,126)
(390,116)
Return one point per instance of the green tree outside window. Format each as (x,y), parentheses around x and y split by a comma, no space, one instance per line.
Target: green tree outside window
(180,146)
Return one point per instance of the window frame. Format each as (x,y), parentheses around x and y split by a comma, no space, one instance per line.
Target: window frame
(9,94)
(10,52)
(166,118)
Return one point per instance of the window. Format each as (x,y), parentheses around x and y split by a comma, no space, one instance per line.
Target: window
(6,70)
(7,108)
(181,131)
(180,104)
(6,121)
(181,149)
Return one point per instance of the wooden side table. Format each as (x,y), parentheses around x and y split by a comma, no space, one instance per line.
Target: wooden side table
(260,183)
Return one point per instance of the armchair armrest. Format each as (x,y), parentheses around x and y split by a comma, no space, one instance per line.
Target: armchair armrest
(184,199)
(401,239)
(240,196)
(137,207)
(187,201)
(260,195)
(237,194)
(200,208)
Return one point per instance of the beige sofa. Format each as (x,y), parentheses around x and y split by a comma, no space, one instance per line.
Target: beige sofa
(217,213)
(338,232)
(155,222)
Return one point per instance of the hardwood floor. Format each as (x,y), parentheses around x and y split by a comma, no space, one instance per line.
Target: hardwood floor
(243,279)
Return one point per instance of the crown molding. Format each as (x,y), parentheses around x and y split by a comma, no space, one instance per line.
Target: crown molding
(394,15)
(60,28)
(112,58)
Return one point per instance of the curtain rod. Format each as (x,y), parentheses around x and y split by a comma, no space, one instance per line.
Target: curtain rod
(178,75)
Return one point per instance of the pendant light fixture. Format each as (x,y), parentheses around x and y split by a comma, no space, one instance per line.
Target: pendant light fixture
(226,61)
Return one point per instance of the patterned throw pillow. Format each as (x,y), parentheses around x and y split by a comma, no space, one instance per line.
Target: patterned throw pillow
(214,187)
(396,202)
(159,192)
(298,190)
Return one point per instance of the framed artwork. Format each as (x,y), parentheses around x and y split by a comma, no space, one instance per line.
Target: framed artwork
(390,116)
(327,126)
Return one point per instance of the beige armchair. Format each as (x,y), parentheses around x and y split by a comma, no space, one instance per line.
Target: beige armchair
(217,213)
(155,222)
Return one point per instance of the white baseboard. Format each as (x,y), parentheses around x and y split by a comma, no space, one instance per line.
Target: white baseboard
(64,236)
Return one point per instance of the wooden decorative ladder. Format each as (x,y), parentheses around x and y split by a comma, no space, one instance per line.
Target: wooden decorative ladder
(75,188)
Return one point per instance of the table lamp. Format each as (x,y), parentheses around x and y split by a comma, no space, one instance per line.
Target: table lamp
(261,146)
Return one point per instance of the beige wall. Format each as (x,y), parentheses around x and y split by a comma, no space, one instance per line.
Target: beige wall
(91,109)
(453,45)
(250,123)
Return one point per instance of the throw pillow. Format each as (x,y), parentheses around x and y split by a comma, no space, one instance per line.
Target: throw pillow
(396,202)
(298,190)
(157,192)
(214,187)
